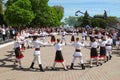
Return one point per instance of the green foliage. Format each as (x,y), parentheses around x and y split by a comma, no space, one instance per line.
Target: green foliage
(19,13)
(10,2)
(41,9)
(99,16)
(60,12)
(86,20)
(98,22)
(33,12)
(1,8)
(111,20)
(46,15)
(71,21)
(2,19)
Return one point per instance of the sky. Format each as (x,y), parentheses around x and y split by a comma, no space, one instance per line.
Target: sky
(92,6)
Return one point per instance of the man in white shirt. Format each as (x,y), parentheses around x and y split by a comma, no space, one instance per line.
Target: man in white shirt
(3,33)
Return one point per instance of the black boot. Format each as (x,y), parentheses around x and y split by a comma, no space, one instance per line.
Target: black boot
(110,57)
(71,67)
(82,65)
(41,69)
(32,65)
(107,58)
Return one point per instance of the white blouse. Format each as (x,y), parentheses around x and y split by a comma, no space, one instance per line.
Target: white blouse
(37,44)
(103,43)
(109,41)
(94,44)
(58,46)
(78,45)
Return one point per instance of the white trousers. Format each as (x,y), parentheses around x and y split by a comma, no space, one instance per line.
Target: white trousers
(108,50)
(80,58)
(37,58)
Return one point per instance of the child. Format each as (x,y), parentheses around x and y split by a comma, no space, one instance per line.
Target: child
(59,56)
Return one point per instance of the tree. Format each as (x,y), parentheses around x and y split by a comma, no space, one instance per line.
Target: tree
(1,13)
(86,20)
(60,12)
(1,8)
(111,20)
(41,9)
(98,22)
(19,13)
(46,15)
(105,14)
(71,21)
(10,2)
(79,21)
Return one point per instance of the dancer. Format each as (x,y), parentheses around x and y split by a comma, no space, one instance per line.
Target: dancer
(94,53)
(109,47)
(73,36)
(63,36)
(103,49)
(37,57)
(77,54)
(18,53)
(59,56)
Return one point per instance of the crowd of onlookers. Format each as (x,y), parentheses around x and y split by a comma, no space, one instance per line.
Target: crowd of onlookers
(6,33)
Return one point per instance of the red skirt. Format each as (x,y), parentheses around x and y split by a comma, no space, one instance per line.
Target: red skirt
(93,53)
(59,57)
(52,38)
(102,52)
(18,53)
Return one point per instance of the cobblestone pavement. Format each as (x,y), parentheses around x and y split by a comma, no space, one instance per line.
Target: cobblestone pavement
(8,71)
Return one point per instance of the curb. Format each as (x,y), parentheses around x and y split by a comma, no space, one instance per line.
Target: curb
(6,44)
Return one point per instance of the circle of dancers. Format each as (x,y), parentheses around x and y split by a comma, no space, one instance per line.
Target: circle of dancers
(100,43)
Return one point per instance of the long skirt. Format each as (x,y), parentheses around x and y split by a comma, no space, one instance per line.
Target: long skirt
(59,57)
(72,38)
(18,53)
(52,38)
(102,52)
(93,53)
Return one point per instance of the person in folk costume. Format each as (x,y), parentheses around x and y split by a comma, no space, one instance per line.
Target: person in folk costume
(18,53)
(99,37)
(103,49)
(85,32)
(109,42)
(22,37)
(59,57)
(43,35)
(73,37)
(91,35)
(93,53)
(77,54)
(53,38)
(63,35)
(37,57)
(28,41)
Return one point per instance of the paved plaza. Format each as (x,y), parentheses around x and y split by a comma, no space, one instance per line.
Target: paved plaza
(8,71)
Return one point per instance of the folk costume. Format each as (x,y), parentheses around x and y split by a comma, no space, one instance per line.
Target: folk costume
(93,52)
(52,38)
(109,47)
(63,36)
(37,52)
(59,56)
(18,53)
(73,37)
(77,54)
(103,49)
